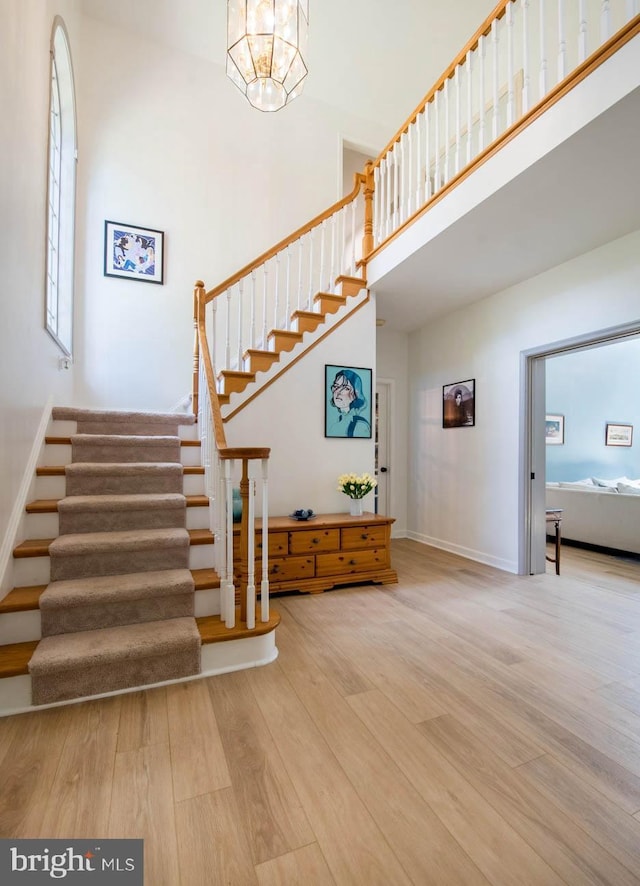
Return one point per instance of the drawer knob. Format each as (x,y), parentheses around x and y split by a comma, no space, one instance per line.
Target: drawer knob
(364,536)
(315,541)
(275,568)
(353,562)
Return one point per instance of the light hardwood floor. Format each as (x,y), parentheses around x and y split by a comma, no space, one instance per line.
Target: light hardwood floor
(464,727)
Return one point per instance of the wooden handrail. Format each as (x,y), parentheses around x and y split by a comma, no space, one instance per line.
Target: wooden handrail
(359,179)
(485,28)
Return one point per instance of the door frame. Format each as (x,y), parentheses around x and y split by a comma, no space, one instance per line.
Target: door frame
(389,384)
(532,457)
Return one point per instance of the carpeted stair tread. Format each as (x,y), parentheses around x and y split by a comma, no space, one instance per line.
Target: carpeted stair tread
(116,588)
(96,421)
(108,601)
(110,513)
(143,539)
(116,478)
(124,448)
(112,553)
(105,660)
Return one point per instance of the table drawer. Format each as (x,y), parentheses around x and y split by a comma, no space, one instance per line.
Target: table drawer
(355,561)
(309,541)
(278,545)
(363,537)
(291,568)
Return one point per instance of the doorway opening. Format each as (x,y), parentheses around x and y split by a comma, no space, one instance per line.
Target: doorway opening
(533,456)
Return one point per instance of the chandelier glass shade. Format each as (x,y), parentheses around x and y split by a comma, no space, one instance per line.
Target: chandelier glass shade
(266,45)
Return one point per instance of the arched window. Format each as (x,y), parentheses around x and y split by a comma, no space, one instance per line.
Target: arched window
(61,192)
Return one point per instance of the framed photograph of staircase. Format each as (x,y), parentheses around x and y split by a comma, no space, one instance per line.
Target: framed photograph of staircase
(133,252)
(347,401)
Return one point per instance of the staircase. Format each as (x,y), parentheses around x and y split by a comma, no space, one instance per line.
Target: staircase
(123,583)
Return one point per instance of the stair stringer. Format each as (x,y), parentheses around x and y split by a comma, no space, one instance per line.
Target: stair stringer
(239,400)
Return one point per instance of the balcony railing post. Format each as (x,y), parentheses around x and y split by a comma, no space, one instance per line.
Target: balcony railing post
(198,305)
(369,189)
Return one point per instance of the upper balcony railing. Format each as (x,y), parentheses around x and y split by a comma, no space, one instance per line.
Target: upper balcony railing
(524,56)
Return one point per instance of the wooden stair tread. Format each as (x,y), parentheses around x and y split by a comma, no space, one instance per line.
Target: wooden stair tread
(15,657)
(27,598)
(58,470)
(50,505)
(39,547)
(66,441)
(287,333)
(236,373)
(213,630)
(311,314)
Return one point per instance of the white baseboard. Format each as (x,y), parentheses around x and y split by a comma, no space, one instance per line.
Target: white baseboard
(469,553)
(18,512)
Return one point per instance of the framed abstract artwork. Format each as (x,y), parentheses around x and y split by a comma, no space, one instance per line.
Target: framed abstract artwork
(133,253)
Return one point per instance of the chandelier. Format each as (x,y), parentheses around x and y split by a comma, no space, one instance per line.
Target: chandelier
(266,42)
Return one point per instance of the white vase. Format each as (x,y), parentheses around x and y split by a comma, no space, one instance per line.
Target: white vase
(356,508)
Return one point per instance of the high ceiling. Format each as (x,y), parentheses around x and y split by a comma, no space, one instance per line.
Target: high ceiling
(374,58)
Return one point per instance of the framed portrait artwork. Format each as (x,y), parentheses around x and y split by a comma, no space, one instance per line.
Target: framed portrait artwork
(554,430)
(132,252)
(459,404)
(619,435)
(347,401)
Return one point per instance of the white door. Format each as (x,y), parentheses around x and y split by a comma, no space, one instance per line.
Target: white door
(382,466)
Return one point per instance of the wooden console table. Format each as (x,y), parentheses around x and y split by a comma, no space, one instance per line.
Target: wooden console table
(329,550)
(554,515)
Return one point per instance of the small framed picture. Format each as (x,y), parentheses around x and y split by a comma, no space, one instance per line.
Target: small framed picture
(133,252)
(619,435)
(347,401)
(554,430)
(459,404)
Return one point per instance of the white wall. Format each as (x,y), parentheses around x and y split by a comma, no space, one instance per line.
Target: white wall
(392,364)
(466,499)
(29,372)
(289,417)
(169,143)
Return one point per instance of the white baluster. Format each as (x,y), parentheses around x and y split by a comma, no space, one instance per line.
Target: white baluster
(227,361)
(419,118)
(264,584)
(323,233)
(384,167)
(543,54)
(214,336)
(403,186)
(436,140)
(287,307)
(333,275)
(300,259)
(240,307)
(469,104)
(632,8)
(264,306)
(343,241)
(582,30)
(276,305)
(396,185)
(526,80)
(605,20)
(447,132)
(252,324)
(481,57)
(353,237)
(251,576)
(510,72)
(229,588)
(311,293)
(562,43)
(377,187)
(410,169)
(495,42)
(427,151)
(456,168)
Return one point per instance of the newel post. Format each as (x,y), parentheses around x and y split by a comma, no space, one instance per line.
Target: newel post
(369,187)
(198,305)
(246,549)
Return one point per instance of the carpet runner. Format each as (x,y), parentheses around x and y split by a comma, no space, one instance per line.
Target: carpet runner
(119,609)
